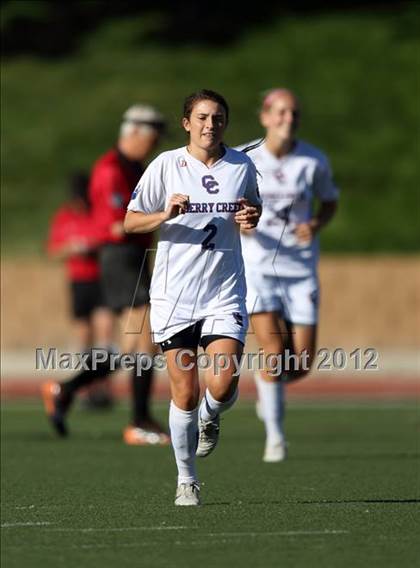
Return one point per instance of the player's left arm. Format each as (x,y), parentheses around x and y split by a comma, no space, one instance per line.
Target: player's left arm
(326,192)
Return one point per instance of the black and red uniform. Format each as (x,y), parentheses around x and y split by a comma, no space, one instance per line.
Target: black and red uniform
(125,281)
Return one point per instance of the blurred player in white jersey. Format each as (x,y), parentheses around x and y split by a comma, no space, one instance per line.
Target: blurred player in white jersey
(198,196)
(281,255)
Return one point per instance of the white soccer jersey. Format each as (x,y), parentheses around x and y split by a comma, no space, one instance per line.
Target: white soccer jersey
(198,268)
(288,186)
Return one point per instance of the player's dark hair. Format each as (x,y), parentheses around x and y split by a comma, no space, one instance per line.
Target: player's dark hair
(78,185)
(204,95)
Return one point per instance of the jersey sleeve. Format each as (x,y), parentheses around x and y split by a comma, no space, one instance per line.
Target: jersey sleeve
(252,192)
(324,187)
(150,193)
(102,191)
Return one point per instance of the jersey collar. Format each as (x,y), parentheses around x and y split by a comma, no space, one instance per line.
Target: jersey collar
(292,152)
(207,168)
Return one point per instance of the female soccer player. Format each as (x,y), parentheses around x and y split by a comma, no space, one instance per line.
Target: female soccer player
(199,196)
(281,256)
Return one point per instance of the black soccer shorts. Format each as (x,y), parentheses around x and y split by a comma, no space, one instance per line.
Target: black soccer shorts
(125,276)
(85,297)
(190,338)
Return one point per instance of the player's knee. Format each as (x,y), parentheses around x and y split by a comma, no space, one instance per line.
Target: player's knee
(223,390)
(185,397)
(273,347)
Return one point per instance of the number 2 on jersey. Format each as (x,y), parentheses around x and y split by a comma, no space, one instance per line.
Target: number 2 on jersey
(212,230)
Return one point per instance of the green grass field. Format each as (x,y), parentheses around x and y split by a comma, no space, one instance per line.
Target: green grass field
(349,494)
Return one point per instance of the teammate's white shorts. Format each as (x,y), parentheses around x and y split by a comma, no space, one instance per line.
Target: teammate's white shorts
(295,299)
(234,325)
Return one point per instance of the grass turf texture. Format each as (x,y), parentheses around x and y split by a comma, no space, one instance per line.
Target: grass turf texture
(348,495)
(355,73)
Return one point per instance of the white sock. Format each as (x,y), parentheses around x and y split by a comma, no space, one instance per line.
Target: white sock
(183,427)
(210,407)
(271,396)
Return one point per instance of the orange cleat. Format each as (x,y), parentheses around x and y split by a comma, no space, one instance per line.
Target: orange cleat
(53,407)
(136,436)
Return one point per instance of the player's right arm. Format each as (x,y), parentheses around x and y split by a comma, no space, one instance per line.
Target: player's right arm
(140,222)
(251,210)
(150,207)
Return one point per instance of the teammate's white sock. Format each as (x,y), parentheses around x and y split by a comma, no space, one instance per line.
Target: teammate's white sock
(183,427)
(210,407)
(271,396)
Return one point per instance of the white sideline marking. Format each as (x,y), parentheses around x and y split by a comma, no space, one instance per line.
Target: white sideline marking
(224,538)
(205,535)
(277,533)
(36,524)
(121,529)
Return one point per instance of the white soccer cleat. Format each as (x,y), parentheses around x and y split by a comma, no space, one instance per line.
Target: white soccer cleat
(275,453)
(208,436)
(188,495)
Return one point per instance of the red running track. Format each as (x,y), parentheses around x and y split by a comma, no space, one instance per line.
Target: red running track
(383,387)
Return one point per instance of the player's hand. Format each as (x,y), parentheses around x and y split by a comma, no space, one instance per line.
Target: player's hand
(178,205)
(78,247)
(305,232)
(117,229)
(248,216)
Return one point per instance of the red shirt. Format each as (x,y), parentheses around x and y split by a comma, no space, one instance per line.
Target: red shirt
(70,225)
(112,182)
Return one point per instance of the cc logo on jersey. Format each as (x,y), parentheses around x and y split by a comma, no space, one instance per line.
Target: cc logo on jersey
(209,183)
(279,175)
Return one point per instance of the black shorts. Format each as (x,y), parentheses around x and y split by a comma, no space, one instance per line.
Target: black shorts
(125,276)
(190,338)
(85,297)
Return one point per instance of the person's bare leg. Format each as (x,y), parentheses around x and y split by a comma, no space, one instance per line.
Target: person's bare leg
(271,339)
(222,384)
(301,343)
(183,374)
(84,333)
(103,323)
